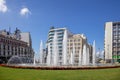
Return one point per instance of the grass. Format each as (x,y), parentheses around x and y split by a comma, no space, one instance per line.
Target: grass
(31,74)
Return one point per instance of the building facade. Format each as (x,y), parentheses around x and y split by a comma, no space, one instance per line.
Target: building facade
(15,44)
(75,45)
(63,47)
(112,42)
(57,46)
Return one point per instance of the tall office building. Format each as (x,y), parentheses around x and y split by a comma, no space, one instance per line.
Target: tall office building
(112,42)
(57,46)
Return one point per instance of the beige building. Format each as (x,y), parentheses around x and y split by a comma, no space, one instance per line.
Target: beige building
(75,43)
(112,41)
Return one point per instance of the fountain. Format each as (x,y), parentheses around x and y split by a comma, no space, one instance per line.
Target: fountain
(41,52)
(80,58)
(93,54)
(84,59)
(15,60)
(88,57)
(48,56)
(73,53)
(55,50)
(34,61)
(84,62)
(65,48)
(71,59)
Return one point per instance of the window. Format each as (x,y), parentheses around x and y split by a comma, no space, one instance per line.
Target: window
(60,37)
(78,43)
(50,43)
(75,40)
(59,43)
(115,37)
(78,39)
(78,47)
(114,40)
(0,47)
(60,46)
(50,38)
(60,34)
(60,50)
(4,53)
(60,53)
(119,40)
(60,40)
(51,34)
(118,53)
(67,44)
(114,33)
(70,40)
(8,47)
(60,58)
(114,44)
(75,44)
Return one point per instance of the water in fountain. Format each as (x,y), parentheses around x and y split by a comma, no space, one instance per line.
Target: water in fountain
(80,58)
(93,54)
(48,56)
(14,60)
(84,62)
(19,60)
(34,61)
(65,47)
(71,59)
(41,52)
(88,57)
(55,50)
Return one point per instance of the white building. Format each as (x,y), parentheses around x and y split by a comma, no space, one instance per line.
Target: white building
(112,41)
(57,46)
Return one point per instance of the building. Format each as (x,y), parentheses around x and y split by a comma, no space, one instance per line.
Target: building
(15,44)
(112,41)
(75,45)
(57,46)
(63,46)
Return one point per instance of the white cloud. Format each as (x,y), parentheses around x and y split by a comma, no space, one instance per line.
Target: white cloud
(25,11)
(3,6)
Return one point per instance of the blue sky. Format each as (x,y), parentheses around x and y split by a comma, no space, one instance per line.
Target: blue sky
(79,16)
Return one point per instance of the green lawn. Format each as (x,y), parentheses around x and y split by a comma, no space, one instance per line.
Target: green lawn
(27,74)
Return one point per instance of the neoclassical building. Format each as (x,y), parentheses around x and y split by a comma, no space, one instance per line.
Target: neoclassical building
(15,44)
